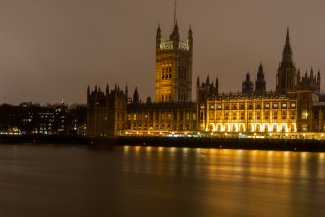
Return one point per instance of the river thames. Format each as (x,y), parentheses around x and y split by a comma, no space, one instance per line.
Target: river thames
(155,181)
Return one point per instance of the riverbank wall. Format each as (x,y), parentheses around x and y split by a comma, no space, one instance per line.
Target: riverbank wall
(310,145)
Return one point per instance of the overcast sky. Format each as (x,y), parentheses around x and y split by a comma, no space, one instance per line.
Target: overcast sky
(50,50)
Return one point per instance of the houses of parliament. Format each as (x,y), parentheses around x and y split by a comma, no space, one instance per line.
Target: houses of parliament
(295,110)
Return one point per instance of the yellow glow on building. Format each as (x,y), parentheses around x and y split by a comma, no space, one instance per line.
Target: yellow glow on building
(250,114)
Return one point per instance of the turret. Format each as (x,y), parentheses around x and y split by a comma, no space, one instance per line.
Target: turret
(260,83)
(260,73)
(286,78)
(287,54)
(136,96)
(248,77)
(217,85)
(318,78)
(247,85)
(126,92)
(190,39)
(198,81)
(175,36)
(158,38)
(107,90)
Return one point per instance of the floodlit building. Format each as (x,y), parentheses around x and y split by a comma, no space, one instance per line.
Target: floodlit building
(296,105)
(250,113)
(173,83)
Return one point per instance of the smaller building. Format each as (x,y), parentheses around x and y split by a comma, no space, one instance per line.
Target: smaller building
(29,118)
(106,111)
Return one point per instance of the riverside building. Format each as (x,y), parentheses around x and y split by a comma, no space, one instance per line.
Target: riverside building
(295,110)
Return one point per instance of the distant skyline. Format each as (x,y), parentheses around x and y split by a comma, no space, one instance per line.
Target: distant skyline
(51,50)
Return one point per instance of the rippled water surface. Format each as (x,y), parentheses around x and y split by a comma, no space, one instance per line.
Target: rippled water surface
(147,181)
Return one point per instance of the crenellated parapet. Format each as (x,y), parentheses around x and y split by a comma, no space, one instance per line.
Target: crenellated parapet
(106,111)
(309,82)
(173,82)
(206,89)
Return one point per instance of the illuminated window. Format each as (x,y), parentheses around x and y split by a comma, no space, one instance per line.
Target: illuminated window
(219,107)
(267,105)
(293,105)
(284,115)
(284,105)
(304,114)
(275,105)
(242,115)
(234,116)
(166,72)
(275,115)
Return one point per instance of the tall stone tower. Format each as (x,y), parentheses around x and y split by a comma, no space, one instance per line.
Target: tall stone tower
(286,78)
(173,82)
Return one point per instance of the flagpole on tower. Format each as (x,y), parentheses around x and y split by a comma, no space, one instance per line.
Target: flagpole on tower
(175,14)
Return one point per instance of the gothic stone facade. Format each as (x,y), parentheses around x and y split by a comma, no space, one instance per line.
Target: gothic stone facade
(296,106)
(173,68)
(106,111)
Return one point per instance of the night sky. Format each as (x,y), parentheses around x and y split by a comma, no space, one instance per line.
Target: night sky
(50,50)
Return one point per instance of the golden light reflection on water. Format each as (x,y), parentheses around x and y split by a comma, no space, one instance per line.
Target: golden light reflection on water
(153,181)
(321,163)
(229,178)
(137,149)
(239,164)
(126,149)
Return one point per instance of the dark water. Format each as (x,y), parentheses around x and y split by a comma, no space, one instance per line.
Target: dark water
(146,181)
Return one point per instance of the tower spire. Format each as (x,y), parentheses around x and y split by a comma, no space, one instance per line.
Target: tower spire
(175,14)
(287,55)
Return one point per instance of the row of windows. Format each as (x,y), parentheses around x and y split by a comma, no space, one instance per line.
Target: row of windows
(182,98)
(250,115)
(166,98)
(163,116)
(167,72)
(251,106)
(163,126)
